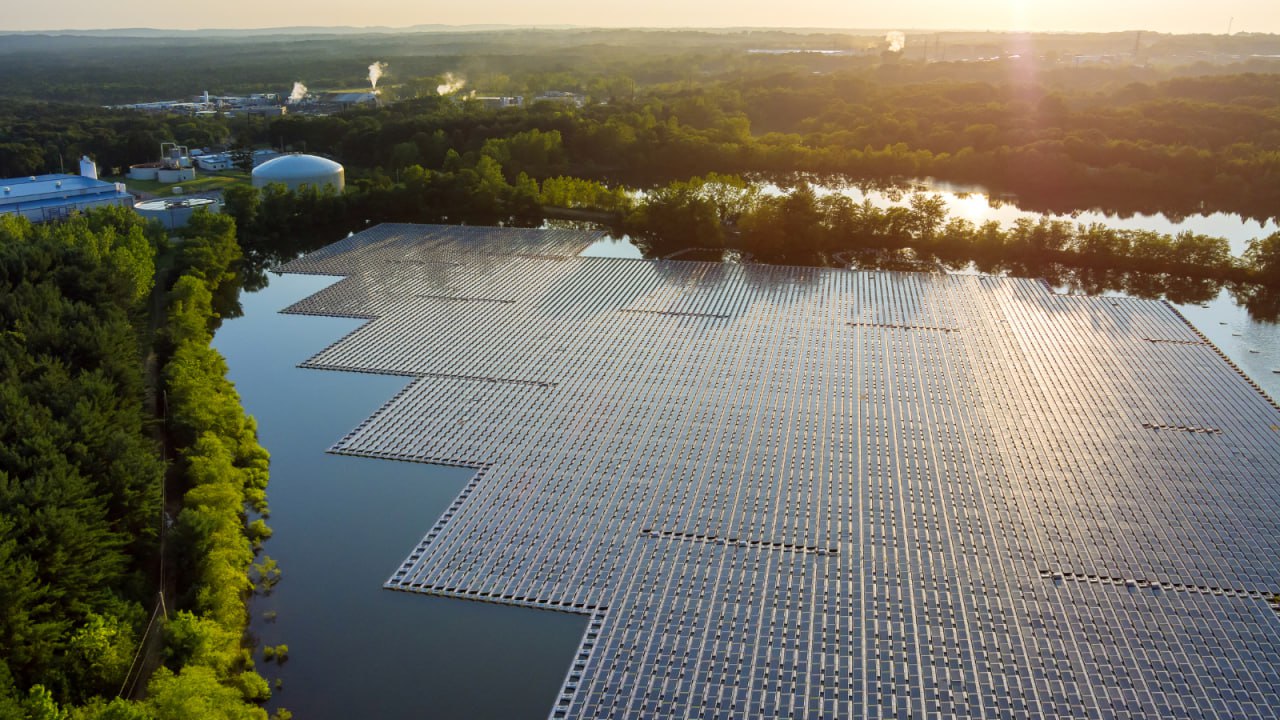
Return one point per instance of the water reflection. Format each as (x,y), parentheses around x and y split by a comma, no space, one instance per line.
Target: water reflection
(613,247)
(975,204)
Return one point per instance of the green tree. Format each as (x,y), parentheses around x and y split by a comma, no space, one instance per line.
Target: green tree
(195,692)
(1263,258)
(102,650)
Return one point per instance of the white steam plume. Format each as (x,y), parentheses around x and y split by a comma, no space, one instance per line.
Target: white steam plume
(896,41)
(452,84)
(375,72)
(299,92)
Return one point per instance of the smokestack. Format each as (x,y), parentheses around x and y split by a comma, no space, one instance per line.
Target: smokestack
(88,168)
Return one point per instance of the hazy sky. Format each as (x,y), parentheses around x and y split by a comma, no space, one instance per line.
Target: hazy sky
(1072,15)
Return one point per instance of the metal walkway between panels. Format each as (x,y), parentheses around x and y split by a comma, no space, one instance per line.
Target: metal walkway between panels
(785,492)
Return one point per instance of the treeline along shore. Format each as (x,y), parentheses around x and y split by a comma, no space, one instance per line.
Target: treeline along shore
(128,472)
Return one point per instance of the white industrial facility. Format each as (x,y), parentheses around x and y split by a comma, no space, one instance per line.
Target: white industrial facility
(175,166)
(297,170)
(41,198)
(500,102)
(560,97)
(206,104)
(216,162)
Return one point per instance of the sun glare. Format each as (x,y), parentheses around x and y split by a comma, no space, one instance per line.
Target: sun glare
(972,207)
(1019,15)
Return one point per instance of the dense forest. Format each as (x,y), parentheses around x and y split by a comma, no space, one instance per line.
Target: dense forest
(36,138)
(1054,149)
(79,475)
(139,66)
(95,587)
(1172,124)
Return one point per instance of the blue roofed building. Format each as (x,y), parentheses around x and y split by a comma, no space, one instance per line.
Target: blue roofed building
(41,198)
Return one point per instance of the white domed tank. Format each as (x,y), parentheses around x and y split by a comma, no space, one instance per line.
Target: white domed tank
(294,171)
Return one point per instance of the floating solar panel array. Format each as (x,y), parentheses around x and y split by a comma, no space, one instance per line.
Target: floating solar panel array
(790,492)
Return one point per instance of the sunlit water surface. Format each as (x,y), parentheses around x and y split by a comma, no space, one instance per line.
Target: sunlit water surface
(973,204)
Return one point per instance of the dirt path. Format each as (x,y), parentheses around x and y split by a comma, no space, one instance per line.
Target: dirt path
(171,495)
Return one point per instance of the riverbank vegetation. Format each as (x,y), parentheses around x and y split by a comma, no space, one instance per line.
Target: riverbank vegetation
(90,578)
(799,225)
(224,471)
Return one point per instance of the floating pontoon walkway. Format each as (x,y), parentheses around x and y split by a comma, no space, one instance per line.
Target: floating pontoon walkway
(789,492)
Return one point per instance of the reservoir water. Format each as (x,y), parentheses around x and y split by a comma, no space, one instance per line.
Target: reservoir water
(973,204)
(342,525)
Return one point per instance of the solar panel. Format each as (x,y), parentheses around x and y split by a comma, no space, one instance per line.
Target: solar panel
(809,492)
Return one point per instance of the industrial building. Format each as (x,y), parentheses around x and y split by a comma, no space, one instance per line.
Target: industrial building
(175,165)
(297,170)
(41,198)
(206,104)
(214,162)
(561,97)
(797,492)
(499,102)
(350,99)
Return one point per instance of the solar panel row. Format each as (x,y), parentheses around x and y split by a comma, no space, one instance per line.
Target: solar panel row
(808,492)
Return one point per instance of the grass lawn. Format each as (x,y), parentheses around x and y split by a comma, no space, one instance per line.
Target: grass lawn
(204,182)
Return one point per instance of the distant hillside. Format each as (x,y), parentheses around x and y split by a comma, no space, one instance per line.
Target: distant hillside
(267,32)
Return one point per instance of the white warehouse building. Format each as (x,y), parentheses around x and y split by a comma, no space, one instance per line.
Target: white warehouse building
(294,171)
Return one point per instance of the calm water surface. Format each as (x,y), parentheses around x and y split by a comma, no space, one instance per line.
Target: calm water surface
(342,525)
(1253,346)
(973,204)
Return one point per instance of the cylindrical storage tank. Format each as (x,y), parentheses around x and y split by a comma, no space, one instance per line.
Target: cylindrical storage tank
(173,175)
(294,171)
(174,214)
(145,171)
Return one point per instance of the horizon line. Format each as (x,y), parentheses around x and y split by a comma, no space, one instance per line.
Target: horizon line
(482,27)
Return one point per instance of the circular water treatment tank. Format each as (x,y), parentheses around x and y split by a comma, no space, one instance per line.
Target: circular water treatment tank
(175,213)
(294,171)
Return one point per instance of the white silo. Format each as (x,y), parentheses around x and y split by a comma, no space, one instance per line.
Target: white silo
(294,171)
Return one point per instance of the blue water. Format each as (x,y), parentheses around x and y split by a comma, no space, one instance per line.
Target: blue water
(342,525)
(1252,345)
